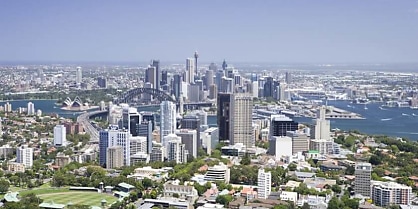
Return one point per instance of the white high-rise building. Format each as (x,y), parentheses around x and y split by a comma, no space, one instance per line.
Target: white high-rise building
(31,108)
(189,139)
(175,149)
(138,144)
(322,126)
(8,107)
(79,76)
(264,184)
(114,137)
(1,127)
(168,120)
(60,135)
(241,130)
(189,70)
(24,155)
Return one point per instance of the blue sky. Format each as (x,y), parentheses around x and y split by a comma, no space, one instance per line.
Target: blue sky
(278,31)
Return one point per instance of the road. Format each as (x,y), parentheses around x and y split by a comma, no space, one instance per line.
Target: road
(89,128)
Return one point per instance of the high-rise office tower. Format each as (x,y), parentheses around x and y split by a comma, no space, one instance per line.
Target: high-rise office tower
(60,135)
(8,107)
(175,149)
(168,121)
(209,78)
(138,144)
(157,154)
(114,157)
(322,125)
(102,82)
(1,127)
(213,91)
(269,88)
(151,76)
(224,113)
(218,79)
(164,78)
(196,55)
(24,155)
(156,65)
(114,137)
(190,71)
(145,130)
(363,172)
(176,86)
(288,78)
(189,139)
(241,130)
(194,93)
(78,76)
(224,66)
(192,122)
(31,108)
(280,125)
(263,184)
(227,85)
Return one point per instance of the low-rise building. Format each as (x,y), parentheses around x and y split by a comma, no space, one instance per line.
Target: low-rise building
(184,192)
(219,172)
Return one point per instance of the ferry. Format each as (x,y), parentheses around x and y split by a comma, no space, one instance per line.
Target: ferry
(385,119)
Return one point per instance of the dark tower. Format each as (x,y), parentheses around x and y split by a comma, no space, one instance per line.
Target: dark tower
(195,65)
(223,115)
(156,64)
(224,65)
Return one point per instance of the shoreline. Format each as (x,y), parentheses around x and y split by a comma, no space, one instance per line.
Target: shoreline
(19,100)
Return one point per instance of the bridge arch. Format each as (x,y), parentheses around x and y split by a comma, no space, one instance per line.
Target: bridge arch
(128,96)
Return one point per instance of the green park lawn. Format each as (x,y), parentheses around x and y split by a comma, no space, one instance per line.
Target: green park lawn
(64,196)
(77,197)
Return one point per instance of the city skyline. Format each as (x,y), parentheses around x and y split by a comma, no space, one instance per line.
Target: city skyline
(274,31)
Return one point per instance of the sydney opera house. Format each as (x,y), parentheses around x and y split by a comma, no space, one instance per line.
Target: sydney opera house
(74,105)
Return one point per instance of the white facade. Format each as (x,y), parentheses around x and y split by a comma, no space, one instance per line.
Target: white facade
(79,76)
(254,89)
(189,70)
(289,196)
(60,135)
(31,108)
(388,193)
(121,138)
(280,146)
(219,172)
(175,149)
(138,144)
(24,155)
(322,126)
(241,130)
(264,184)
(168,120)
(189,139)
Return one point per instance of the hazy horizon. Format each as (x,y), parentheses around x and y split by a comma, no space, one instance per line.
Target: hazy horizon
(271,31)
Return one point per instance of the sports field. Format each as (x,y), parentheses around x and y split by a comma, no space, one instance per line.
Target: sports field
(77,197)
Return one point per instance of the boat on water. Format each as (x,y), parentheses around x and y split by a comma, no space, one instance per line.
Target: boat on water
(413,114)
(404,114)
(414,107)
(385,119)
(365,107)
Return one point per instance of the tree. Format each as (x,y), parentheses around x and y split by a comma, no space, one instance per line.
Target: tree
(246,160)
(4,186)
(335,203)
(335,188)
(224,199)
(375,160)
(292,167)
(305,206)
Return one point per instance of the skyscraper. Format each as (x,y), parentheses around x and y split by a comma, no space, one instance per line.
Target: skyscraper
(192,122)
(175,149)
(322,126)
(209,78)
(60,135)
(241,130)
(280,125)
(168,121)
(114,157)
(151,76)
(224,115)
(263,184)
(114,137)
(196,55)
(78,76)
(190,71)
(189,139)
(176,86)
(363,172)
(31,108)
(156,65)
(24,155)
(288,78)
(164,81)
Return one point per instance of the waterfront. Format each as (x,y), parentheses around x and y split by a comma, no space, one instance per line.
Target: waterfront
(385,121)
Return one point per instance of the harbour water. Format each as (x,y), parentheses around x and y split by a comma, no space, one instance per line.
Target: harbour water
(398,122)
